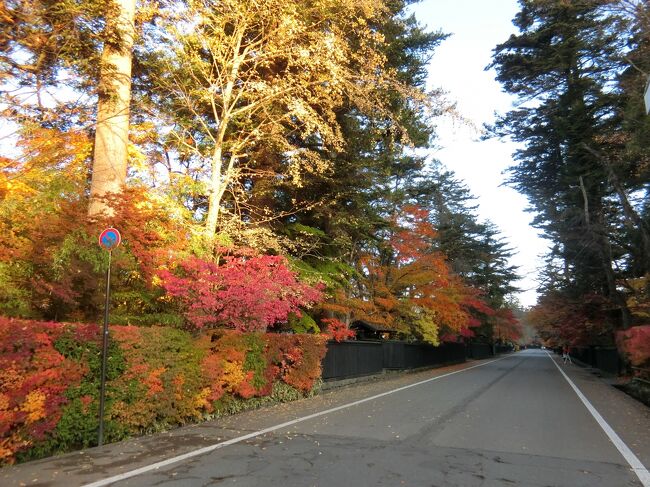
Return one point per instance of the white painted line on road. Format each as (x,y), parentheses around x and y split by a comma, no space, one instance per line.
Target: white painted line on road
(637,467)
(239,439)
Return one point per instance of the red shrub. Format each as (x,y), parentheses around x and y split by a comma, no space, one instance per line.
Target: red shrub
(242,292)
(634,343)
(337,330)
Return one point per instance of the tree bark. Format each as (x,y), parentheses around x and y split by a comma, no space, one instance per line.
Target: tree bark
(630,215)
(220,178)
(216,192)
(112,127)
(601,240)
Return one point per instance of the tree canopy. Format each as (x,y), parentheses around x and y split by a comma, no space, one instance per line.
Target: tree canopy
(578,70)
(269,139)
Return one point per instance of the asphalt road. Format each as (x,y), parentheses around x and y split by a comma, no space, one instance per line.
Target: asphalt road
(514,421)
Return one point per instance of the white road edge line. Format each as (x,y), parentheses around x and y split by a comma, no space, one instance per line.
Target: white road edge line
(207,449)
(637,467)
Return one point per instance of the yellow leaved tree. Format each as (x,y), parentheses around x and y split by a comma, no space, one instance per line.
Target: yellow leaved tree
(254,88)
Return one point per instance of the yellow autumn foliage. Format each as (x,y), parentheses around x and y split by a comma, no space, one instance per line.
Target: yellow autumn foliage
(34,406)
(261,77)
(233,374)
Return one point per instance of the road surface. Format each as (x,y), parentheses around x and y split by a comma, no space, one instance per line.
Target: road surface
(513,421)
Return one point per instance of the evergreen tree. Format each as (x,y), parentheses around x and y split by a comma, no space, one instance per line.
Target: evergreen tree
(562,66)
(366,182)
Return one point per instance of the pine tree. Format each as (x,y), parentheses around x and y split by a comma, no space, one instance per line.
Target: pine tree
(561,66)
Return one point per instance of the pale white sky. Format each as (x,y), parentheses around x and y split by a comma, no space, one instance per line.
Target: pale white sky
(477,26)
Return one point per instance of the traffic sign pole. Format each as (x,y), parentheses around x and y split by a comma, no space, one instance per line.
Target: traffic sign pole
(102,393)
(109,239)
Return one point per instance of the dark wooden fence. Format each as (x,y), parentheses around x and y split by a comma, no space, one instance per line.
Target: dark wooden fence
(502,348)
(603,358)
(404,356)
(359,358)
(352,359)
(479,351)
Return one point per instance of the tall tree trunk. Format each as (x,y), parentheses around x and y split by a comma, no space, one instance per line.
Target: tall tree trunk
(112,128)
(602,243)
(220,178)
(632,218)
(216,192)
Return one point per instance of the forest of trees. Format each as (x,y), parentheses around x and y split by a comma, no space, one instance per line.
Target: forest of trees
(579,70)
(269,150)
(259,158)
(263,161)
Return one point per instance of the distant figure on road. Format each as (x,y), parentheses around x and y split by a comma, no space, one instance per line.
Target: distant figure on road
(565,354)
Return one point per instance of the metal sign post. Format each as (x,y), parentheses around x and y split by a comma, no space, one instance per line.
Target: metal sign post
(108,240)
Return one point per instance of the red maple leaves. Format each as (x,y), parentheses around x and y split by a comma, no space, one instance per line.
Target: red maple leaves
(243,292)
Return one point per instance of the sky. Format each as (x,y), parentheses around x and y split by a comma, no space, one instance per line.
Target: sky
(458,66)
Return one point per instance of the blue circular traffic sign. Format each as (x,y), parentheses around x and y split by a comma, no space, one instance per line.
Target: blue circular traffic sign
(110,238)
